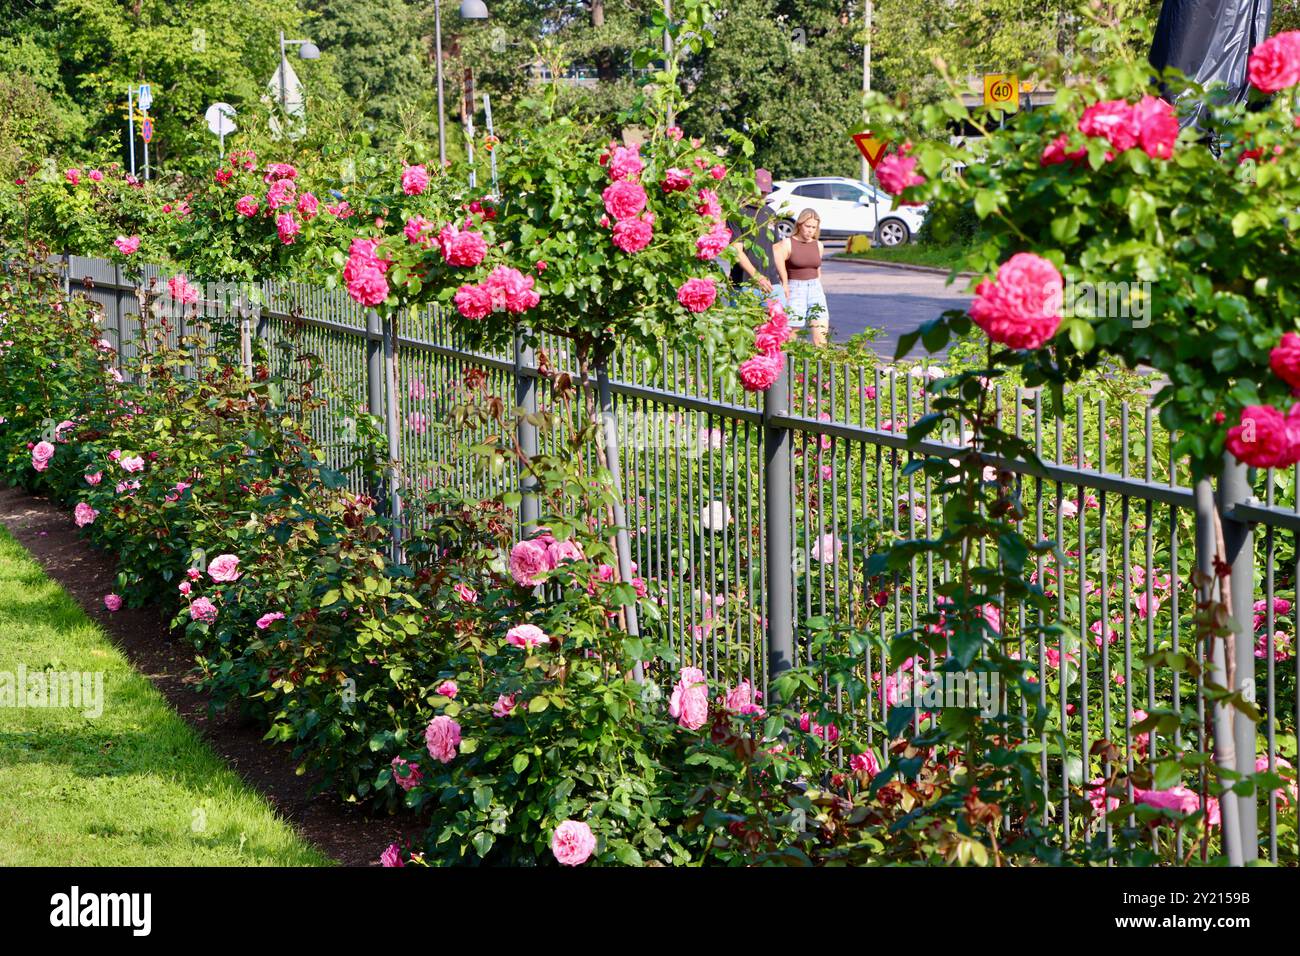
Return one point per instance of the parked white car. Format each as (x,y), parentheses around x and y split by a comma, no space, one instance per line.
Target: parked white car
(847,207)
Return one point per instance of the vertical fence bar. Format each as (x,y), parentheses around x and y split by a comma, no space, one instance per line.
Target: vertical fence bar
(778,557)
(1239,547)
(392,426)
(526,399)
(609,424)
(375,386)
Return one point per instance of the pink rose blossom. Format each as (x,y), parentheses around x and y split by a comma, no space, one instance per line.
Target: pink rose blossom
(415,180)
(676,180)
(473,302)
(283,192)
(572,843)
(182,290)
(511,290)
(897,172)
(287,227)
(718,171)
(633,235)
(42,452)
(113,602)
(466,593)
(96,176)
(448,688)
(1265,438)
(127,245)
(690,700)
(442,737)
(461,247)
(526,636)
(697,295)
(224,568)
(710,207)
(865,762)
(269,618)
(95,478)
(203,610)
(741,699)
(674,133)
(419,231)
(276,171)
(73,176)
(528,560)
(624,199)
(1157,126)
(83,514)
(405,774)
(132,464)
(758,373)
(1275,64)
(1284,360)
(625,162)
(1054,153)
(1022,309)
(392,856)
(713,243)
(185,588)
(505,705)
(247,206)
(308,207)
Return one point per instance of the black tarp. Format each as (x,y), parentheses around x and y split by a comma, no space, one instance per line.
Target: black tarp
(1209,41)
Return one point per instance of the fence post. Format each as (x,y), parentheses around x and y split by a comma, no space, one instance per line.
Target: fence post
(526,400)
(778,549)
(375,389)
(622,543)
(391,426)
(1239,547)
(1206,546)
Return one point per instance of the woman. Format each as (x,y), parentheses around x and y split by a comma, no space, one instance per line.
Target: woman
(799,264)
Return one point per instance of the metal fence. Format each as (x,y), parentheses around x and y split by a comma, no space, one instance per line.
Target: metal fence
(750,514)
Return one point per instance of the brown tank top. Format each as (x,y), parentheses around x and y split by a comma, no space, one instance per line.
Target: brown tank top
(804,260)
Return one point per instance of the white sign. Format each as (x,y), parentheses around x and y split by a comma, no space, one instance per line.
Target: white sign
(144,99)
(220,118)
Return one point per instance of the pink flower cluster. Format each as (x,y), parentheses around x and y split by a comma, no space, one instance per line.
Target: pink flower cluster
(690,699)
(364,273)
(461,247)
(1275,64)
(897,172)
(505,289)
(415,180)
(1022,308)
(1150,124)
(532,558)
(127,245)
(625,200)
(758,373)
(42,452)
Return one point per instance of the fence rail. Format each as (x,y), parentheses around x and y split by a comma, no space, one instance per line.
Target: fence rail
(753,514)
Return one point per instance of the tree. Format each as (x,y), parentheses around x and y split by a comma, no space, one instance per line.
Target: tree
(376,50)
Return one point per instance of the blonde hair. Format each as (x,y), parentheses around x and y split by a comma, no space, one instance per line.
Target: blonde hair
(804,217)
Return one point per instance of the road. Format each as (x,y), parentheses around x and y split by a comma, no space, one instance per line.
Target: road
(861,296)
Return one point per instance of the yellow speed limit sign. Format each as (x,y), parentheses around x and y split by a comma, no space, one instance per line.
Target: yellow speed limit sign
(1002,91)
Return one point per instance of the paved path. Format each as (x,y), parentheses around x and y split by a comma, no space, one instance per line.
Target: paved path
(895,300)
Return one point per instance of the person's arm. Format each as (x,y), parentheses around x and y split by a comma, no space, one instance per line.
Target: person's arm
(751,270)
(821,257)
(780,251)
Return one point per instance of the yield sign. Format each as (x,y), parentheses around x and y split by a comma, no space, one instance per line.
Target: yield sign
(870,147)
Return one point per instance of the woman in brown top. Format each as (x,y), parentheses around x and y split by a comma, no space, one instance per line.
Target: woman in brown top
(799,263)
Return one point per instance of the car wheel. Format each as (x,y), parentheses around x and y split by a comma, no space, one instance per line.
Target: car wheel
(785,228)
(892,232)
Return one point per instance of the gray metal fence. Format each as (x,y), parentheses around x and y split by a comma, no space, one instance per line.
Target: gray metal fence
(748,515)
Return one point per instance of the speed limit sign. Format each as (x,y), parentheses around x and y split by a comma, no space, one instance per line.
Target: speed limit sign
(1002,91)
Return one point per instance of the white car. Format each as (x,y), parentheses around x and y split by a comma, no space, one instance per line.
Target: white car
(847,207)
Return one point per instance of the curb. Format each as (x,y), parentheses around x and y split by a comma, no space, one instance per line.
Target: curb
(902,266)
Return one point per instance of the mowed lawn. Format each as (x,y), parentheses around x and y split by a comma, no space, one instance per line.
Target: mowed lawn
(134,786)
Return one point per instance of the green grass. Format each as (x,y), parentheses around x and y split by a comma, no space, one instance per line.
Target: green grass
(913,253)
(134,786)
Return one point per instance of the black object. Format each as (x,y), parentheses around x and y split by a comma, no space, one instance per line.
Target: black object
(1210,41)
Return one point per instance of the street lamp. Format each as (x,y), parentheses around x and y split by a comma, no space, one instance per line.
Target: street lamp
(306,51)
(469,10)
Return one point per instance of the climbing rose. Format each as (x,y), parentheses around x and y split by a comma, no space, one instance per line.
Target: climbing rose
(391,856)
(84,514)
(473,302)
(897,171)
(740,700)
(690,700)
(418,230)
(112,602)
(181,290)
(1156,125)
(407,775)
(528,559)
(772,334)
(466,593)
(1022,309)
(73,176)
(624,199)
(505,705)
(710,206)
(758,373)
(1275,64)
(633,235)
(625,162)
(1285,359)
(203,610)
(364,273)
(224,568)
(510,290)
(1054,153)
(697,295)
(674,133)
(96,176)
(1112,120)
(462,248)
(415,180)
(131,464)
(1265,438)
(572,843)
(676,180)
(247,206)
(127,245)
(287,227)
(276,171)
(282,193)
(712,244)
(442,738)
(308,206)
(95,478)
(865,762)
(526,636)
(266,620)
(718,171)
(448,688)
(42,452)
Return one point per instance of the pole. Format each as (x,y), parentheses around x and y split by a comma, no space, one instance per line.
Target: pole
(492,153)
(146,147)
(866,71)
(391,425)
(668,53)
(469,148)
(130,122)
(777,498)
(284,87)
(442,113)
(622,544)
(526,399)
(1239,545)
(375,390)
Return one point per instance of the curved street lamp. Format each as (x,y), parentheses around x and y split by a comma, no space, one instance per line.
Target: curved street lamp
(469,10)
(306,51)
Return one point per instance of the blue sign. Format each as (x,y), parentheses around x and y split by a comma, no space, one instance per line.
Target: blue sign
(145,97)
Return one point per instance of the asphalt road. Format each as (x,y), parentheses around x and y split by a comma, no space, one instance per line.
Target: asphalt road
(861,296)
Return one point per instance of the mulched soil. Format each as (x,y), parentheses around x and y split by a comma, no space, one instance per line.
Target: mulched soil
(87,575)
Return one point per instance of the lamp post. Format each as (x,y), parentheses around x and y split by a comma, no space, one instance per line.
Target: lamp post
(306,51)
(866,70)
(469,10)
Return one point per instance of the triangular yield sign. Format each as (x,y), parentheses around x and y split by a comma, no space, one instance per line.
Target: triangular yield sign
(873,149)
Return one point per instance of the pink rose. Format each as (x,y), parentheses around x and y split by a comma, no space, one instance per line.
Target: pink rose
(1157,126)
(282,193)
(42,452)
(710,207)
(182,290)
(83,514)
(391,856)
(528,560)
(127,245)
(405,774)
(690,700)
(1113,121)
(308,206)
(96,176)
(718,171)
(1275,64)
(633,235)
(572,843)
(112,602)
(505,705)
(676,180)
(203,610)
(674,133)
(625,162)
(95,478)
(247,206)
(713,243)
(419,231)
(466,593)
(132,464)
(697,295)
(1285,359)
(461,247)
(1054,153)
(897,172)
(1265,438)
(758,373)
(73,176)
(276,171)
(442,738)
(185,588)
(224,568)
(448,688)
(266,620)
(510,290)
(415,180)
(624,199)
(865,762)
(741,699)
(1022,309)
(287,227)
(473,302)
(526,636)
